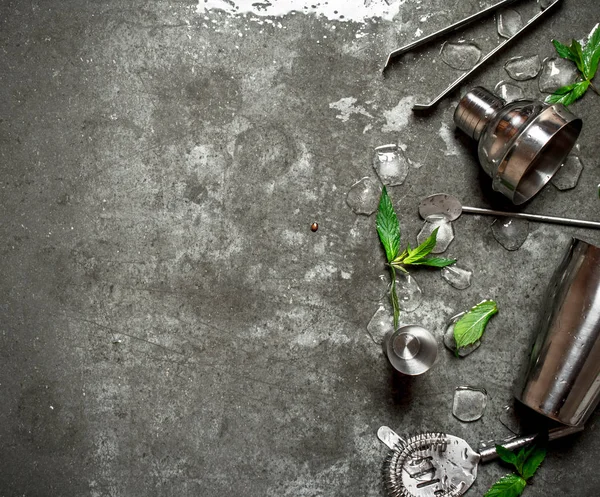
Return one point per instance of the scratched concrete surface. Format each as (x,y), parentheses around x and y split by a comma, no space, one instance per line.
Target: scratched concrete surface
(170,324)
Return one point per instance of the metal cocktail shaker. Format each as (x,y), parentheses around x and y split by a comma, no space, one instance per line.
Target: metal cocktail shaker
(563,374)
(521,144)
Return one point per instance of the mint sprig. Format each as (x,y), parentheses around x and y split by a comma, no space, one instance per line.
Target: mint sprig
(388,229)
(470,328)
(526,462)
(586,59)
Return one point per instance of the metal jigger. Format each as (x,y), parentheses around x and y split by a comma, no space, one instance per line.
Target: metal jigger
(521,144)
(411,350)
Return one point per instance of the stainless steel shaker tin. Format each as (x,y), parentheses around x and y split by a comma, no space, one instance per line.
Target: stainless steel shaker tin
(563,374)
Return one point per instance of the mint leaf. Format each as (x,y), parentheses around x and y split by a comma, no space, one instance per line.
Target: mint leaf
(533,462)
(422,250)
(506,455)
(587,59)
(417,256)
(564,51)
(522,456)
(388,226)
(568,94)
(434,262)
(591,54)
(508,486)
(471,326)
(578,52)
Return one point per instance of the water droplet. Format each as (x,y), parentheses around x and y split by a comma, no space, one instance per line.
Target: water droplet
(509,22)
(568,174)
(375,289)
(469,403)
(509,92)
(462,55)
(458,277)
(445,233)
(510,420)
(410,295)
(522,68)
(363,197)
(450,343)
(380,324)
(510,232)
(390,165)
(544,4)
(556,73)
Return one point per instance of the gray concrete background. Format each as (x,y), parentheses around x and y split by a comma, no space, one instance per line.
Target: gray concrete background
(170,324)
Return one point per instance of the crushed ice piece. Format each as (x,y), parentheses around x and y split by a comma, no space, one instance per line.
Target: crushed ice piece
(556,73)
(509,23)
(375,289)
(510,232)
(568,175)
(390,165)
(462,55)
(445,233)
(544,4)
(380,324)
(410,295)
(469,403)
(522,68)
(363,196)
(509,92)
(458,277)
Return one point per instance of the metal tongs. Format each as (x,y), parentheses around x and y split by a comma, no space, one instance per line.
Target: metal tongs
(456,26)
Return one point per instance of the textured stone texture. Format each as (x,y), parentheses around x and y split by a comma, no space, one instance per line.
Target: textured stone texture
(170,324)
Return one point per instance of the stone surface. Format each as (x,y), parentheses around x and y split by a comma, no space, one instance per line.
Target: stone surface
(170,324)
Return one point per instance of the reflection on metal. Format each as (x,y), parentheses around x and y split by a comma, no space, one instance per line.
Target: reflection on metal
(563,378)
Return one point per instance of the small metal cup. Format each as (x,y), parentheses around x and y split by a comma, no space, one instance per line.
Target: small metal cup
(411,350)
(563,374)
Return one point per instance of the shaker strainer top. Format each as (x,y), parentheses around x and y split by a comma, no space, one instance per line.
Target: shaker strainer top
(441,465)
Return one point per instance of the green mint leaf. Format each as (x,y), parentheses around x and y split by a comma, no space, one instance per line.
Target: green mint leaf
(422,250)
(506,455)
(578,52)
(388,226)
(591,54)
(471,326)
(533,462)
(568,94)
(434,262)
(564,51)
(507,486)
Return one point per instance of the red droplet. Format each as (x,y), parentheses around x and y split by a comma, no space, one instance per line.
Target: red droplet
(314,227)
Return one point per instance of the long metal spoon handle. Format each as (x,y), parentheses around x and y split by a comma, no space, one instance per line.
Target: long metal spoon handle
(533,217)
(489,453)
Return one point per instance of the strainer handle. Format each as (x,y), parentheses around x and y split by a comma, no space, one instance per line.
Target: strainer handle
(487,450)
